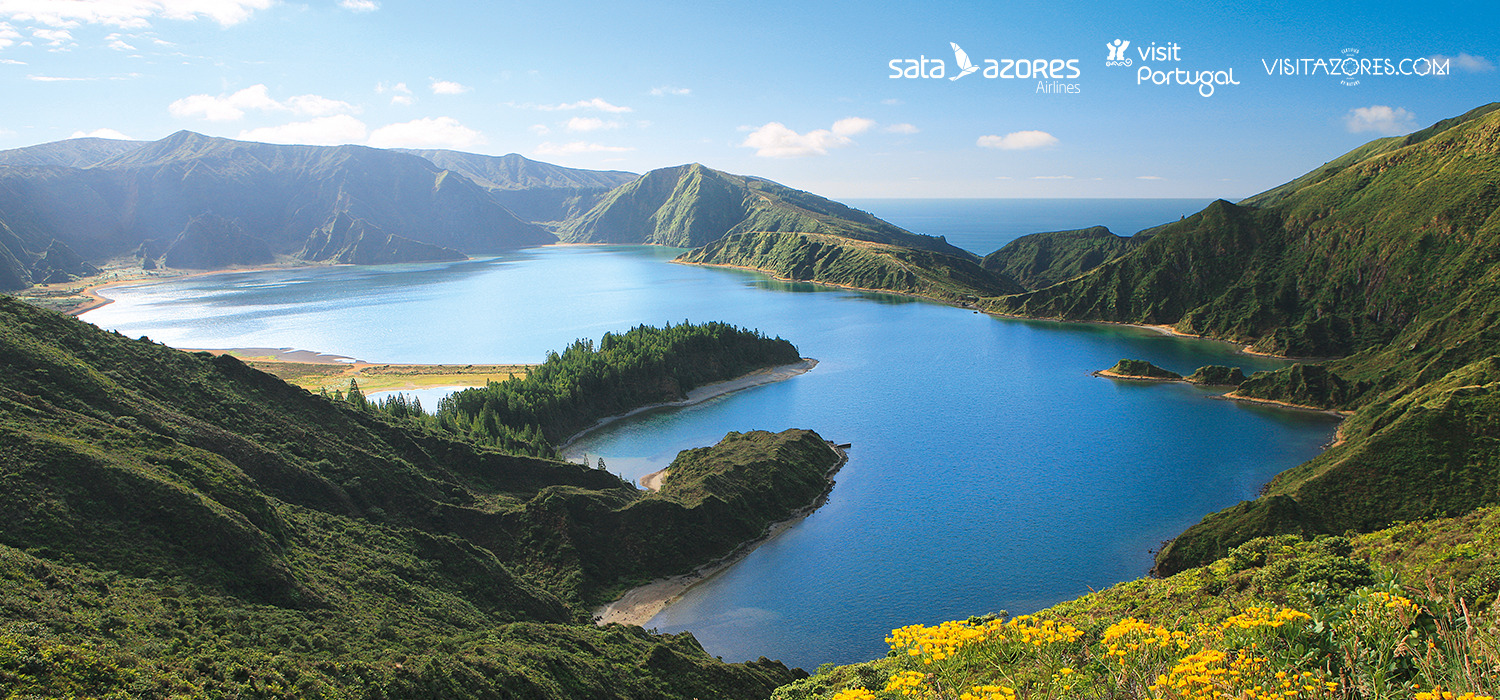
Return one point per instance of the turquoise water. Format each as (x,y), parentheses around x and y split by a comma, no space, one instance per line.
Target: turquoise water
(989,470)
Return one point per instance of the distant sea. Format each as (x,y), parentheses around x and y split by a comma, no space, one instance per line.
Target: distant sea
(983,226)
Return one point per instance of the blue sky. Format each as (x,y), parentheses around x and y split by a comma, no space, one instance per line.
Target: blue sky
(798,92)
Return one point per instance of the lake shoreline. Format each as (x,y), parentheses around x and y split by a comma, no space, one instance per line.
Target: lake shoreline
(754,378)
(638,605)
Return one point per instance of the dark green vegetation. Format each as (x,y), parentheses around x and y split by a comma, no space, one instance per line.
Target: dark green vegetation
(1141,369)
(181,524)
(1217,375)
(1387,258)
(1371,600)
(572,390)
(1315,386)
(595,544)
(689,206)
(854,263)
(1044,259)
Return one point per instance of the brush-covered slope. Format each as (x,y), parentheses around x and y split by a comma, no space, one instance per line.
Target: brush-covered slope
(724,495)
(1429,452)
(1395,236)
(1278,617)
(689,206)
(831,259)
(277,194)
(1044,259)
(180,524)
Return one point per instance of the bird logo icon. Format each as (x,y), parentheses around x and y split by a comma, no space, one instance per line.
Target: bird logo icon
(965,65)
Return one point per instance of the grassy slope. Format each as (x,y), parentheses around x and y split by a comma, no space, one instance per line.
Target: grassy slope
(1389,257)
(863,265)
(1438,562)
(1044,259)
(206,524)
(689,206)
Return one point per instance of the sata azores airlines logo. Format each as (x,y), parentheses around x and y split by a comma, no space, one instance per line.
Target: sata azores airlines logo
(965,66)
(1023,68)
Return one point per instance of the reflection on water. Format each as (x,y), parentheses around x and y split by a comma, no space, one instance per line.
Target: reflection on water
(989,471)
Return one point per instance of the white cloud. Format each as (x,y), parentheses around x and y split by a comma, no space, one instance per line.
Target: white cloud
(1380,119)
(596,103)
(850,126)
(52,37)
(1149,177)
(400,94)
(553,149)
(892,101)
(448,87)
(1466,62)
(324,131)
(776,140)
(1018,140)
(317,105)
(11,62)
(1052,177)
(669,90)
(901,129)
(428,132)
(539,129)
(56,79)
(117,42)
(8,35)
(100,134)
(128,14)
(359,5)
(590,124)
(225,108)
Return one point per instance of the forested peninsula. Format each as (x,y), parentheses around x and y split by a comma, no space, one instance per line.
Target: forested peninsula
(180,524)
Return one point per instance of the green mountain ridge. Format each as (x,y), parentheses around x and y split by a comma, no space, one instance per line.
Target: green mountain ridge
(689,206)
(1386,258)
(1044,259)
(180,523)
(836,260)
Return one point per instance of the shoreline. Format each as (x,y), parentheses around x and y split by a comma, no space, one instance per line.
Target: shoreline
(638,605)
(754,378)
(835,285)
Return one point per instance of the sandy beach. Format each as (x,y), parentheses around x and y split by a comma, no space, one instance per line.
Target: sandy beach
(642,603)
(703,393)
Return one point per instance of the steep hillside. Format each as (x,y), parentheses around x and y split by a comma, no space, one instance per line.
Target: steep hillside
(1405,612)
(277,194)
(1357,255)
(1044,259)
(181,524)
(831,259)
(689,206)
(1387,258)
